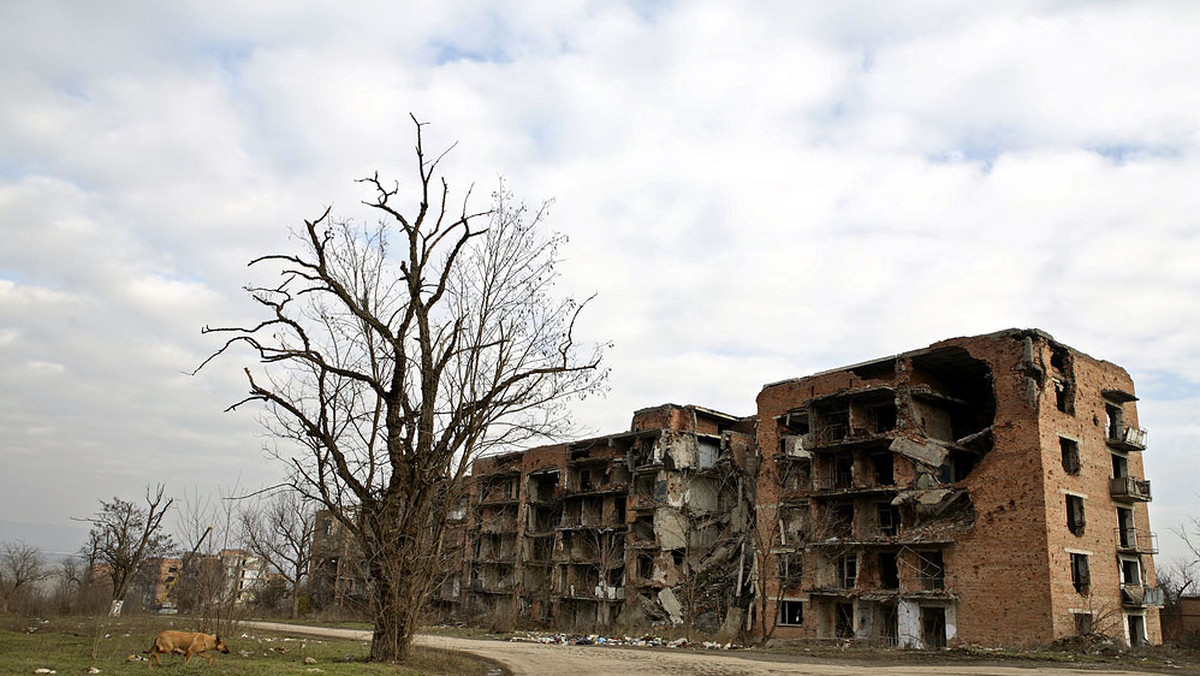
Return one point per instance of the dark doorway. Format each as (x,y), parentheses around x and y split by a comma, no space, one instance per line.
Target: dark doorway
(933,627)
(844,621)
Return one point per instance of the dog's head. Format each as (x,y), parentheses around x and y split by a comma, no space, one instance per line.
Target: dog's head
(220,645)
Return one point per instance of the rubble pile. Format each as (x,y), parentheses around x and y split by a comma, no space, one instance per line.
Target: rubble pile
(646,641)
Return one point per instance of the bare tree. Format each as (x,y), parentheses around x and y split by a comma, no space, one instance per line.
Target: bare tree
(21,567)
(393,368)
(1189,532)
(124,534)
(207,586)
(280,531)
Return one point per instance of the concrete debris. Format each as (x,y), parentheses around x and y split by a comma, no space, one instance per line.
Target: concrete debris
(925,451)
(793,445)
(671,528)
(646,641)
(670,603)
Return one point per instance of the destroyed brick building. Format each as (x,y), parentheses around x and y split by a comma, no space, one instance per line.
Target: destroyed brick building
(646,526)
(986,490)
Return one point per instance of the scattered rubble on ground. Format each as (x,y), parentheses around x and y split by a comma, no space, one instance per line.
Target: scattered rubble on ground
(646,641)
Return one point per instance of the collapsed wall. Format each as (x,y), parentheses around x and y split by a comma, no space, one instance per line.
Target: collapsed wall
(634,529)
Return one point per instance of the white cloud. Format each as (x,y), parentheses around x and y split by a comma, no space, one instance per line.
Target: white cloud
(756,193)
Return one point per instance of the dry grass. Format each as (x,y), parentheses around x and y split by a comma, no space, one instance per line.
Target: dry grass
(72,644)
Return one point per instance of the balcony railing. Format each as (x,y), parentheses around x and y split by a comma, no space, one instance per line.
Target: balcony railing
(1136,541)
(1127,438)
(1142,596)
(1129,488)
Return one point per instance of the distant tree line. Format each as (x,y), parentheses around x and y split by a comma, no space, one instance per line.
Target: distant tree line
(227,558)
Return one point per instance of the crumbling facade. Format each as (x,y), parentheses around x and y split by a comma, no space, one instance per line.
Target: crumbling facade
(983,490)
(986,490)
(647,526)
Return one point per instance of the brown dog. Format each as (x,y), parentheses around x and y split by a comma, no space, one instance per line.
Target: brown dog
(185,643)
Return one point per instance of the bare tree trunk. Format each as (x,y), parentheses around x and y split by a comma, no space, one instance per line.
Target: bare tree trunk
(295,600)
(395,615)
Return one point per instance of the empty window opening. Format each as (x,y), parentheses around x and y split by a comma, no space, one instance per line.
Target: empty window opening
(844,622)
(616,577)
(1083,624)
(1062,396)
(677,556)
(1126,533)
(1081,577)
(1131,572)
(842,521)
(931,570)
(847,571)
(1058,359)
(643,485)
(791,613)
(889,518)
(619,474)
(1075,520)
(793,524)
(618,511)
(885,417)
(789,567)
(796,474)
(1070,455)
(643,528)
(933,627)
(797,422)
(843,471)
(889,571)
(585,479)
(593,511)
(645,566)
(885,468)
(1116,421)
(1120,465)
(542,486)
(543,549)
(543,519)
(837,425)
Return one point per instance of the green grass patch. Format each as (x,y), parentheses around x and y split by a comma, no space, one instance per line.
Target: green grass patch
(72,644)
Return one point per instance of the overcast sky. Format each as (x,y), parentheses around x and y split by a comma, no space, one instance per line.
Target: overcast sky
(756,191)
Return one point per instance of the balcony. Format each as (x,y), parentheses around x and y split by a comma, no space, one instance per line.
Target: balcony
(1129,488)
(1141,596)
(1136,541)
(1127,438)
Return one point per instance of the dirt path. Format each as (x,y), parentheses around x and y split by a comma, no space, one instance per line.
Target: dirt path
(531,659)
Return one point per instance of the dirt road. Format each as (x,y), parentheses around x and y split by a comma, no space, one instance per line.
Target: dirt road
(530,659)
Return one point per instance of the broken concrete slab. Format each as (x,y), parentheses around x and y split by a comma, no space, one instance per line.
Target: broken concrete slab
(671,604)
(924,451)
(671,528)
